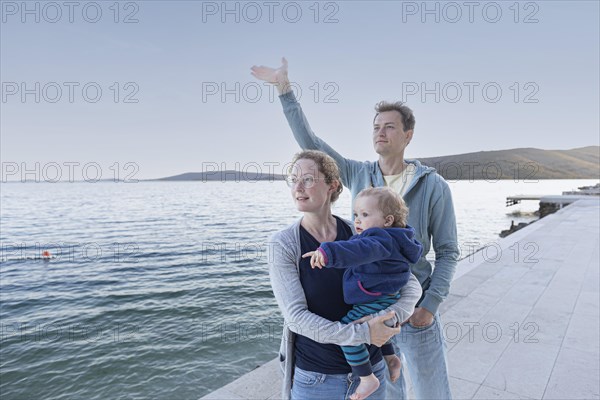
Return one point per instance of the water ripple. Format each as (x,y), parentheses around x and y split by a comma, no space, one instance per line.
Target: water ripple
(156,290)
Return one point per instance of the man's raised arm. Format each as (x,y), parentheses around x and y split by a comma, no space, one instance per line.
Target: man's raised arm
(303,134)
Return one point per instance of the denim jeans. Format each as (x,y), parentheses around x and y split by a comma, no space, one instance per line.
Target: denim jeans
(424,356)
(316,386)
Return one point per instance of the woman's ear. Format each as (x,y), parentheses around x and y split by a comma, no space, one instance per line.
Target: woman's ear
(389,220)
(334,186)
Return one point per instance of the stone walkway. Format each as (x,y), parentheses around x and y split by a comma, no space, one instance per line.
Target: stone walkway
(522,320)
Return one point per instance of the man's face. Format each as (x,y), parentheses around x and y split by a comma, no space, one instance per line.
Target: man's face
(389,138)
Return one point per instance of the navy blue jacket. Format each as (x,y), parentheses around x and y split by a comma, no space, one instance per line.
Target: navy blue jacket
(376,262)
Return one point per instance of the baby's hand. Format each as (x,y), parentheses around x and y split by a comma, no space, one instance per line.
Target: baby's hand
(316,259)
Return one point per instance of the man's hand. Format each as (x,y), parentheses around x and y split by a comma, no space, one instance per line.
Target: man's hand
(316,259)
(421,317)
(276,76)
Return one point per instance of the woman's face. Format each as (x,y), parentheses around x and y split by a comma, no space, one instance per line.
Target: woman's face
(312,198)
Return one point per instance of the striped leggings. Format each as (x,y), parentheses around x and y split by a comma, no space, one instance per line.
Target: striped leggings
(358,356)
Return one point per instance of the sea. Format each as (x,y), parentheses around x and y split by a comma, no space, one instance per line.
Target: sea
(161,289)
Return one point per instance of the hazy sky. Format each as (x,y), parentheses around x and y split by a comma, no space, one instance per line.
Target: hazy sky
(177,94)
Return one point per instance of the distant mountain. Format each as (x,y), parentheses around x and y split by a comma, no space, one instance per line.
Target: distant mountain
(520,164)
(227,175)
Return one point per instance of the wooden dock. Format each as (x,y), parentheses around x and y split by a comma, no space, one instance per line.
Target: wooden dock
(553,199)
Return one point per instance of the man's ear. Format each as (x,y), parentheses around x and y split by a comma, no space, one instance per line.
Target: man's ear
(409,135)
(389,220)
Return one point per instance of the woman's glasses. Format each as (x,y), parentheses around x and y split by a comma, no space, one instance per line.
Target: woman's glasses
(307,181)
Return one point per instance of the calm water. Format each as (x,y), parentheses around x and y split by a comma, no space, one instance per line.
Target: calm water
(160,289)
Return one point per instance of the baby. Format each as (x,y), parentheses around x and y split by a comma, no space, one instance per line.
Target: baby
(377,261)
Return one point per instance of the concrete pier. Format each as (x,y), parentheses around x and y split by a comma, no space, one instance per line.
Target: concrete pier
(522,320)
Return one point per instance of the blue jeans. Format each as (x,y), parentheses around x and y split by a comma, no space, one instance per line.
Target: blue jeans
(309,385)
(424,351)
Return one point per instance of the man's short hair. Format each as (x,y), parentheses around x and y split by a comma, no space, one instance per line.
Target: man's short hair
(408,118)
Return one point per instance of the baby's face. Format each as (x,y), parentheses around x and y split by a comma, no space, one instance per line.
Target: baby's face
(368,215)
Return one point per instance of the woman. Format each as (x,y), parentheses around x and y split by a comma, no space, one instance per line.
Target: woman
(312,300)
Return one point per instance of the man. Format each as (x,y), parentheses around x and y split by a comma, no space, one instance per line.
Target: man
(431,213)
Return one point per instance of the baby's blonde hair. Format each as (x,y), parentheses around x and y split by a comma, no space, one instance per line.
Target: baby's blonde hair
(390,203)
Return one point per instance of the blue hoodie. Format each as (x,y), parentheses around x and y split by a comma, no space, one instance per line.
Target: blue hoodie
(376,262)
(428,198)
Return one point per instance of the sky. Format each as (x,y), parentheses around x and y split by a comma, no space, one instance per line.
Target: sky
(149,89)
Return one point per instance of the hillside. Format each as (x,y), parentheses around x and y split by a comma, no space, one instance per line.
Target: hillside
(227,175)
(520,164)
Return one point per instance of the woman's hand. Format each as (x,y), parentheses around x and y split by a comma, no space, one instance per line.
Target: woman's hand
(276,76)
(380,333)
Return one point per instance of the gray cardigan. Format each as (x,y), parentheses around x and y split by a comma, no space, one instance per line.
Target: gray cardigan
(284,258)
